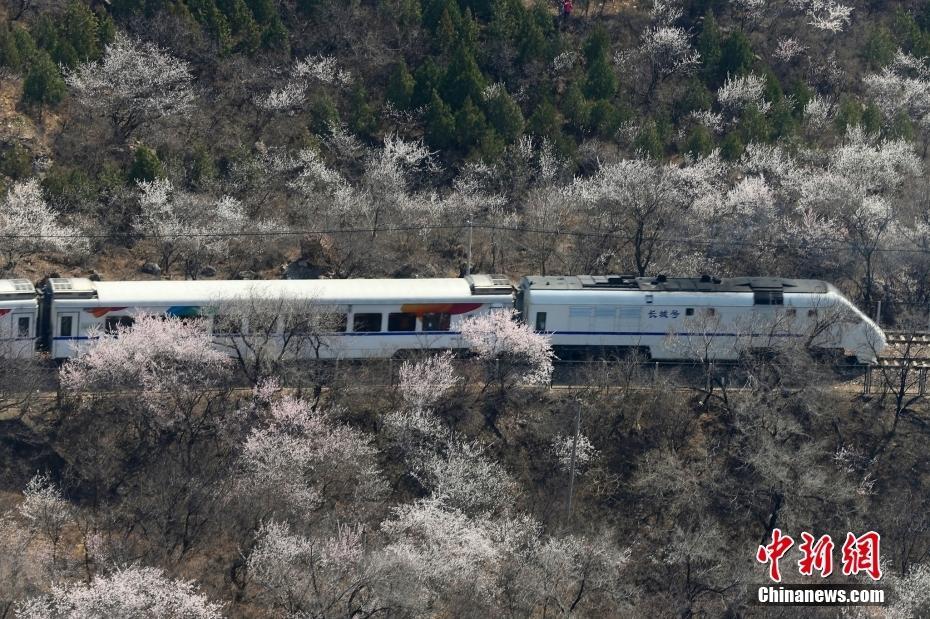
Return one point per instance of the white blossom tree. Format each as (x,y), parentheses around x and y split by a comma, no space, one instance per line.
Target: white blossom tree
(29,226)
(741,91)
(298,461)
(194,229)
(313,577)
(311,71)
(903,87)
(134,83)
(45,509)
(668,52)
(632,203)
(130,593)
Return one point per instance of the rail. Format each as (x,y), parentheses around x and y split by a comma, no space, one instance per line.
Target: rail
(883,377)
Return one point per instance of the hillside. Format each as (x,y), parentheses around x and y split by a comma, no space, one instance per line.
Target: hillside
(242,139)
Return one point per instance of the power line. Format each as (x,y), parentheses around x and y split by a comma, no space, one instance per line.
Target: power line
(694,241)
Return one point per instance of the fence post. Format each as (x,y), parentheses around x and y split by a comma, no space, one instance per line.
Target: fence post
(922,381)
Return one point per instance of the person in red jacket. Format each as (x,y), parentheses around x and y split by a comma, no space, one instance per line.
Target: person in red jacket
(567,8)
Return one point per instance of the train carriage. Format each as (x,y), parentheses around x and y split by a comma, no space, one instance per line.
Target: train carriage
(693,318)
(370,317)
(19,315)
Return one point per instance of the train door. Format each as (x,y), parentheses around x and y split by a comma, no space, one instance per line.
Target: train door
(65,334)
(23,332)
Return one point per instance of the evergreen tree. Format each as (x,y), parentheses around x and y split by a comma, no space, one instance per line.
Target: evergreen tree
(576,109)
(648,142)
(9,51)
(732,146)
(708,44)
(400,86)
(754,126)
(736,56)
(546,121)
(463,79)
(428,78)
(605,119)
(361,115)
(505,116)
(145,166)
(43,83)
(440,124)
(601,82)
(700,142)
(470,125)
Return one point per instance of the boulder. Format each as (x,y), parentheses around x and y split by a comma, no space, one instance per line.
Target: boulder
(151,268)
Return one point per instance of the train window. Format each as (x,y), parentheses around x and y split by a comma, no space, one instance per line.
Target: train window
(112,322)
(540,321)
(327,322)
(22,326)
(648,298)
(225,324)
(65,325)
(366,323)
(710,311)
(768,297)
(689,311)
(402,321)
(812,313)
(437,322)
(791,312)
(334,323)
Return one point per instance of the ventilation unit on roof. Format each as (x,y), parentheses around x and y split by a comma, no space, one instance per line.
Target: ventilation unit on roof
(23,285)
(489,284)
(76,287)
(608,281)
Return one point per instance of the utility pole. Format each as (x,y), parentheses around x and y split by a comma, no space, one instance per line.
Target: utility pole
(468,264)
(571,477)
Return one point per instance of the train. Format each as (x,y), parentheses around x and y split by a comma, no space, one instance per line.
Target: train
(702,318)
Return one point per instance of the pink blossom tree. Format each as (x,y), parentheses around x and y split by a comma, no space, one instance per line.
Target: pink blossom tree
(510,351)
(171,364)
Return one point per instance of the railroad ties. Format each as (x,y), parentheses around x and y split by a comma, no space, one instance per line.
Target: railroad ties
(904,364)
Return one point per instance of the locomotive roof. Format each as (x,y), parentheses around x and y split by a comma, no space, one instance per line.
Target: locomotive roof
(175,292)
(673,284)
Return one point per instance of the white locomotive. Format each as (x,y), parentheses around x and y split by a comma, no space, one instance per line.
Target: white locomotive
(692,318)
(695,318)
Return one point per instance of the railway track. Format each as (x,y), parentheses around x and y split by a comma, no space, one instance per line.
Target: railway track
(906,349)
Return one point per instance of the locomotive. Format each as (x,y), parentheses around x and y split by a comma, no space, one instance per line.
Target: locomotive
(665,318)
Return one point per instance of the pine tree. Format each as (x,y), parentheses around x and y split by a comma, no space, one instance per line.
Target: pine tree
(361,115)
(505,116)
(400,86)
(700,142)
(470,124)
(43,84)
(440,124)
(145,166)
(463,79)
